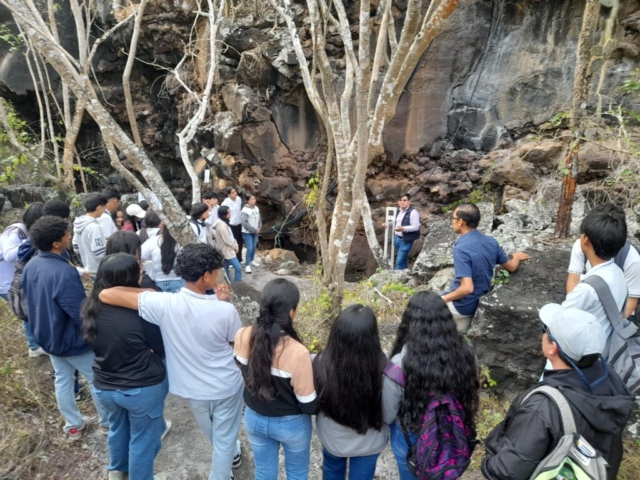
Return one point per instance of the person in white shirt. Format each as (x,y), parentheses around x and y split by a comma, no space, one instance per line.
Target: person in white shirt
(106,219)
(197,330)
(251,224)
(161,251)
(210,199)
(199,215)
(630,264)
(234,202)
(89,240)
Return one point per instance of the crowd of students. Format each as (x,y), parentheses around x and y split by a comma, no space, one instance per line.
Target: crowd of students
(157,320)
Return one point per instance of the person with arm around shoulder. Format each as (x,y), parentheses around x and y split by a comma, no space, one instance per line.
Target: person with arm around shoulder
(198,330)
(475,257)
(279,390)
(251,224)
(128,372)
(234,202)
(348,378)
(54,295)
(428,337)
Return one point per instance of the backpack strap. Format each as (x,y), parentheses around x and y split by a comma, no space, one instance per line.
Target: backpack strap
(621,257)
(395,373)
(196,223)
(609,304)
(568,422)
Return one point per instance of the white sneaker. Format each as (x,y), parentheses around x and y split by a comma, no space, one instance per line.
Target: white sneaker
(237,458)
(36,352)
(76,432)
(167,427)
(247,269)
(256,264)
(115,475)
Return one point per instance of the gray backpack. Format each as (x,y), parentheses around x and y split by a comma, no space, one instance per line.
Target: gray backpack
(573,457)
(622,351)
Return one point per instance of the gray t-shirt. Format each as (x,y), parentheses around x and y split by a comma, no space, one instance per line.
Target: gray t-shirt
(197,331)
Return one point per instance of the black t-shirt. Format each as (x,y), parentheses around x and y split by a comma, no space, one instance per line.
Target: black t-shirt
(125,354)
(151,331)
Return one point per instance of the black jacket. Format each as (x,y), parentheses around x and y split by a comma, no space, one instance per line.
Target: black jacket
(531,430)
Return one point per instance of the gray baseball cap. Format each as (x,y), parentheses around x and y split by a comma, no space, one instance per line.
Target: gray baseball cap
(578,333)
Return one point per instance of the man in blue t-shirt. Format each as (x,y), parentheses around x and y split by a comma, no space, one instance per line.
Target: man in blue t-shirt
(474,258)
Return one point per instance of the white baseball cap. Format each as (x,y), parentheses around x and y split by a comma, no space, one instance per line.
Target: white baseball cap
(578,333)
(135,210)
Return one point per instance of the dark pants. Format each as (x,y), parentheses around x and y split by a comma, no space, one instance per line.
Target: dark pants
(237,234)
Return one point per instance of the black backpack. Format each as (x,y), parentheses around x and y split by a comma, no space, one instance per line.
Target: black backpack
(17,298)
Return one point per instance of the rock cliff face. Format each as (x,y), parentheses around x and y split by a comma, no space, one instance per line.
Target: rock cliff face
(498,68)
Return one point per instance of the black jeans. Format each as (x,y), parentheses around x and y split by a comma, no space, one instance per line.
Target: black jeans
(237,234)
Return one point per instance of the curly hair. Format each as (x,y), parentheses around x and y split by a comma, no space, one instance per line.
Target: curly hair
(279,297)
(351,368)
(195,260)
(46,231)
(436,361)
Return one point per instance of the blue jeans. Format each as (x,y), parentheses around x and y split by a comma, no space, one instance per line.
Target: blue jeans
(267,433)
(402,251)
(27,329)
(220,422)
(400,448)
(360,468)
(251,241)
(171,286)
(64,369)
(136,425)
(237,268)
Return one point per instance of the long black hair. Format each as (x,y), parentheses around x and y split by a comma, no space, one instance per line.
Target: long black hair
(168,249)
(436,361)
(278,298)
(223,211)
(117,270)
(151,220)
(348,377)
(124,242)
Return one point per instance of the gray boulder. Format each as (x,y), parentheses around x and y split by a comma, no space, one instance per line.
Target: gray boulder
(246,299)
(22,195)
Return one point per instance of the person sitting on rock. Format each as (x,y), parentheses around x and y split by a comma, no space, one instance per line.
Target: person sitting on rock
(630,264)
(573,342)
(475,256)
(406,231)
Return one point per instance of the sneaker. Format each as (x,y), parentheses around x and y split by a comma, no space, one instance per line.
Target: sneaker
(233,475)
(104,429)
(76,432)
(161,476)
(237,458)
(247,269)
(167,427)
(115,475)
(36,352)
(256,264)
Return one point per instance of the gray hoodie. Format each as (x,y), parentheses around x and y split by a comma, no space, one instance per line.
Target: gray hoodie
(89,242)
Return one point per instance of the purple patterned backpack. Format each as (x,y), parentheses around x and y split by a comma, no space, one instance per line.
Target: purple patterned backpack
(445,444)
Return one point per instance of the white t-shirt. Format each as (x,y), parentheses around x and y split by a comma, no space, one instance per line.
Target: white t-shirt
(196,330)
(584,297)
(151,252)
(200,229)
(107,224)
(631,268)
(235,208)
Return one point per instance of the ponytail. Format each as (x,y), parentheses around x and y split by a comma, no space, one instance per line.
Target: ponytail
(167,250)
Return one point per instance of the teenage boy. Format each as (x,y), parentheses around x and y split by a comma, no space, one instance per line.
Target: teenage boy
(210,199)
(406,231)
(197,330)
(630,264)
(475,256)
(234,202)
(106,218)
(89,241)
(573,342)
(54,295)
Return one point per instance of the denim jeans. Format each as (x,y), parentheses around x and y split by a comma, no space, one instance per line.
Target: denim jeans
(402,252)
(27,329)
(136,425)
(400,448)
(360,468)
(237,269)
(220,422)
(251,241)
(64,369)
(267,433)
(171,286)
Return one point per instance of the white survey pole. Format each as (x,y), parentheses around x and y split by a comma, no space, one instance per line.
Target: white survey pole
(389,232)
